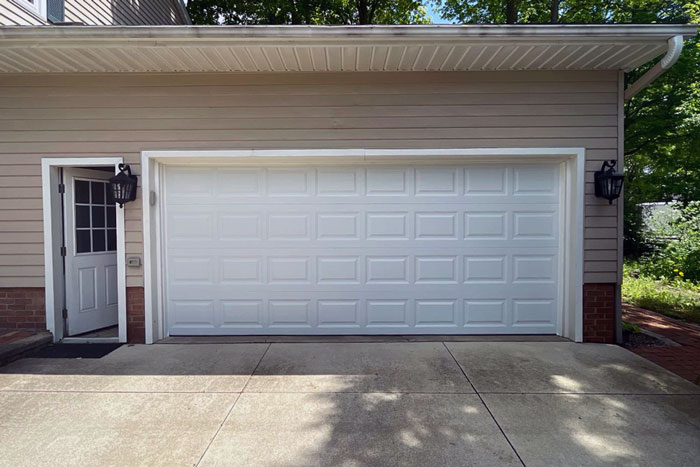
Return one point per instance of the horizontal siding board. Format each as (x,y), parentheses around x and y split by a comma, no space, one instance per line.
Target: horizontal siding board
(308,101)
(347,111)
(283,91)
(305,134)
(81,148)
(599,277)
(260,123)
(203,80)
(600,255)
(109,115)
(600,266)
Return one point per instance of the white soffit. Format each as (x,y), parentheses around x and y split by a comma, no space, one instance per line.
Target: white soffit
(56,49)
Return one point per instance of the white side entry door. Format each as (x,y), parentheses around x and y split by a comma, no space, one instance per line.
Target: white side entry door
(90,236)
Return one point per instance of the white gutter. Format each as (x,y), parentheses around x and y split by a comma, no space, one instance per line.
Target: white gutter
(402,33)
(675,47)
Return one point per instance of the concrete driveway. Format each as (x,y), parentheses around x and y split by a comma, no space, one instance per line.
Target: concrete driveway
(349,404)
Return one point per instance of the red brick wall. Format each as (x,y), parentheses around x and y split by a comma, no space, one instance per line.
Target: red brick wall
(22,308)
(599,313)
(135,317)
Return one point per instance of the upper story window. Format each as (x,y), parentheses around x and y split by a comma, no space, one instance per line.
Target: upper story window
(38,7)
(51,10)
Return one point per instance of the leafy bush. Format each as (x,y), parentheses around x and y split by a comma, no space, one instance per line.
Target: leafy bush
(631,327)
(675,297)
(677,251)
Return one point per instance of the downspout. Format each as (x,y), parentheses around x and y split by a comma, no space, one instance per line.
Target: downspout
(675,47)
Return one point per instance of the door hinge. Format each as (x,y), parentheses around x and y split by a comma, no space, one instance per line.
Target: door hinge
(63,251)
(65,313)
(61,188)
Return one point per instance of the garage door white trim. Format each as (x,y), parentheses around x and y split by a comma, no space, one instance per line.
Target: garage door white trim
(571,199)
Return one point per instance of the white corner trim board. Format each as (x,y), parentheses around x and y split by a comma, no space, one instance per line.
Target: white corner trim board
(363,241)
(52,230)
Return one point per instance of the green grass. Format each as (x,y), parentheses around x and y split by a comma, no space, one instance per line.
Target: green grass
(675,298)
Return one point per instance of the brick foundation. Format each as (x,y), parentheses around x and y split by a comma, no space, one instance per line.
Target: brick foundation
(25,308)
(135,317)
(599,313)
(22,308)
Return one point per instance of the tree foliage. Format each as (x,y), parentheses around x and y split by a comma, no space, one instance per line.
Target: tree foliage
(253,12)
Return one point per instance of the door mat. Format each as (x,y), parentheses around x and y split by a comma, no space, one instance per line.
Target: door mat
(74,351)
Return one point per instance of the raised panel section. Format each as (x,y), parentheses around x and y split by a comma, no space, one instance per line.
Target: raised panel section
(190,227)
(534,225)
(241,270)
(242,313)
(288,182)
(337,182)
(87,288)
(337,226)
(111,294)
(484,268)
(387,269)
(240,227)
(533,268)
(535,180)
(485,181)
(387,182)
(533,312)
(389,313)
(387,225)
(190,270)
(436,182)
(191,313)
(189,183)
(290,313)
(436,226)
(239,183)
(343,313)
(338,270)
(484,225)
(288,270)
(430,313)
(436,269)
(485,313)
(288,226)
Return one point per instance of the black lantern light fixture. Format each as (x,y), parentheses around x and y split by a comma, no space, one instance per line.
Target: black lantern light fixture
(123,185)
(608,182)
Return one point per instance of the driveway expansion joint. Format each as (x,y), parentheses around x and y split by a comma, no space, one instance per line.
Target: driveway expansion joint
(505,436)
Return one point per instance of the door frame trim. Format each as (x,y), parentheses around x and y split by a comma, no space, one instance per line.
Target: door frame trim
(53,276)
(570,321)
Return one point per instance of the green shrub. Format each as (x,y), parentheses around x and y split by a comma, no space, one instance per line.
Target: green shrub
(677,252)
(674,297)
(631,327)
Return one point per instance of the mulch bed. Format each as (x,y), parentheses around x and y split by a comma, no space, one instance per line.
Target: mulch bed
(639,339)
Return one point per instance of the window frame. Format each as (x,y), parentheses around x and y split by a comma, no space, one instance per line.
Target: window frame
(90,205)
(37,9)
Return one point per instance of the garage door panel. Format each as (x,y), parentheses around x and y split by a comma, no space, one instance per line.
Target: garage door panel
(340,185)
(334,250)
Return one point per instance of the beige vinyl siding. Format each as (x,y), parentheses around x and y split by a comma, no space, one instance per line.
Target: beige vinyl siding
(123,12)
(121,115)
(12,14)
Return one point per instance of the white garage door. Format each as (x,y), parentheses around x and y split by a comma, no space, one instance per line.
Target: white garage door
(362,250)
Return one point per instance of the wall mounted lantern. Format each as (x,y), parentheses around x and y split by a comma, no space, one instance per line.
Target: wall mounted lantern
(608,182)
(123,185)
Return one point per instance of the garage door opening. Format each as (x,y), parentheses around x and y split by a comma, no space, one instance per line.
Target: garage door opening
(380,248)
